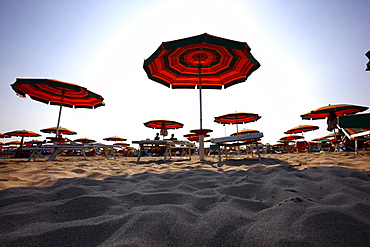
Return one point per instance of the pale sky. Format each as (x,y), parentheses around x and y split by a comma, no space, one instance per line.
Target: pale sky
(311,54)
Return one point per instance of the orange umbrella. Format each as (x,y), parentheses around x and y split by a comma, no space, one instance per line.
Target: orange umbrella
(85,140)
(4,136)
(114,138)
(301,129)
(122,144)
(61,130)
(22,133)
(290,138)
(338,110)
(244,132)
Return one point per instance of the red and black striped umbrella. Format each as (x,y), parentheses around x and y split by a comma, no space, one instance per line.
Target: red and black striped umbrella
(202,61)
(85,140)
(115,139)
(290,138)
(55,92)
(163,124)
(237,118)
(62,130)
(301,129)
(338,110)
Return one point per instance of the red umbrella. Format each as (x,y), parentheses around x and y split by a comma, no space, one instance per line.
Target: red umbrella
(202,61)
(237,118)
(55,92)
(338,110)
(61,130)
(114,138)
(85,140)
(163,125)
(301,129)
(4,136)
(290,138)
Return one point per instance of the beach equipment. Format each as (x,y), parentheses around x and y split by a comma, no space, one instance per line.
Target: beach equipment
(4,136)
(291,138)
(203,61)
(338,110)
(22,134)
(244,132)
(61,130)
(115,139)
(84,140)
(237,118)
(56,92)
(163,125)
(301,129)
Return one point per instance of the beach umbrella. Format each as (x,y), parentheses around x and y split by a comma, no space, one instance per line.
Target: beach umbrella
(244,132)
(85,140)
(163,125)
(203,61)
(22,134)
(4,136)
(115,139)
(290,138)
(332,135)
(237,118)
(2,143)
(301,129)
(194,137)
(338,110)
(55,92)
(61,130)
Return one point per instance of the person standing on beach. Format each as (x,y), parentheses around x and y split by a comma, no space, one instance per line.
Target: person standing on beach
(156,137)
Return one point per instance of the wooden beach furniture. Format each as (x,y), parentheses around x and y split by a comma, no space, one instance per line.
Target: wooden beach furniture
(238,140)
(166,144)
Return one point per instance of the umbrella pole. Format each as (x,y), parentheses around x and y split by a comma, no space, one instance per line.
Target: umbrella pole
(60,112)
(201,137)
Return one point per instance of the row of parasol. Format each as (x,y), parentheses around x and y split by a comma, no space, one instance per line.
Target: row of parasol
(203,61)
(330,112)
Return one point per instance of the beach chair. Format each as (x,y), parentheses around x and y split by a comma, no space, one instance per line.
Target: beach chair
(301,147)
(355,127)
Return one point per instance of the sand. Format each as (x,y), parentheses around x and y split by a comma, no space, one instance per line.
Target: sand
(314,199)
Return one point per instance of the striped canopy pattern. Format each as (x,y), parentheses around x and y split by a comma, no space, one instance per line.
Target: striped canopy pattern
(62,130)
(163,124)
(220,62)
(301,129)
(23,133)
(237,118)
(55,92)
(339,110)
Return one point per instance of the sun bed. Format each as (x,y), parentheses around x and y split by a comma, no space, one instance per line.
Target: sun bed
(355,126)
(167,144)
(238,140)
(57,149)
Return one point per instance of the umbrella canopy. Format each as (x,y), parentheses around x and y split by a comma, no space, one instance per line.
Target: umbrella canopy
(22,134)
(163,125)
(202,61)
(85,140)
(115,139)
(194,137)
(244,132)
(62,130)
(301,129)
(332,135)
(13,143)
(55,92)
(237,118)
(290,138)
(4,136)
(338,110)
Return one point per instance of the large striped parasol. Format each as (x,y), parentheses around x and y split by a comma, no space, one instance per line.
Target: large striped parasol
(202,61)
(56,92)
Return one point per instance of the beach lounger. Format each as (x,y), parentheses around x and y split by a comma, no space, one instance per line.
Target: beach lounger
(355,127)
(167,144)
(238,140)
